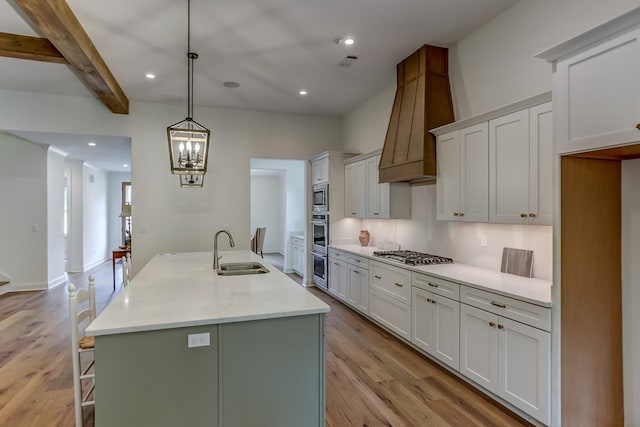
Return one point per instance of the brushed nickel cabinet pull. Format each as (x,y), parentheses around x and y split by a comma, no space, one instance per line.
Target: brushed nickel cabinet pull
(356,271)
(500,327)
(376,213)
(400,285)
(377,277)
(456,214)
(492,324)
(353,213)
(523,215)
(432,285)
(532,215)
(498,304)
(461,213)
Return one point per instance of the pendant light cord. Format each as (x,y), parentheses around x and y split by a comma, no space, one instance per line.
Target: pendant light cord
(190,57)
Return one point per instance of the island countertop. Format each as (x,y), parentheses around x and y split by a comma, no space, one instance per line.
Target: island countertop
(181,289)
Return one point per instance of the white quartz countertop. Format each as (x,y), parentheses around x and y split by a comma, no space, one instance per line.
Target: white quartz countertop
(182,289)
(535,291)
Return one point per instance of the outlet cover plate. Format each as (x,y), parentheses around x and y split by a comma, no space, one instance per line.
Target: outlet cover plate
(199,340)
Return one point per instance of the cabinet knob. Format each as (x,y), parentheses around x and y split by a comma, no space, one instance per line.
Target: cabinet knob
(433,301)
(523,215)
(638,126)
(532,215)
(376,213)
(400,285)
(500,327)
(461,214)
(492,324)
(378,277)
(428,299)
(455,214)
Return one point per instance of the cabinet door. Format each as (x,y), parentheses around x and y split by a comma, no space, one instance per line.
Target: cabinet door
(391,313)
(422,322)
(358,288)
(320,171)
(541,164)
(446,330)
(448,179)
(337,278)
(597,95)
(474,173)
(509,168)
(355,191)
(479,346)
(373,190)
(524,363)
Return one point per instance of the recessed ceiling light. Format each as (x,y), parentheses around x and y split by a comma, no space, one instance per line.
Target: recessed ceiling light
(303,92)
(231,85)
(125,165)
(92,144)
(150,76)
(349,41)
(346,40)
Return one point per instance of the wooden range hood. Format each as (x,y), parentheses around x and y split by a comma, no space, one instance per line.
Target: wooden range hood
(422,102)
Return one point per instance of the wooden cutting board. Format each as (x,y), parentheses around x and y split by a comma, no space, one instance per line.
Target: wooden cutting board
(517,261)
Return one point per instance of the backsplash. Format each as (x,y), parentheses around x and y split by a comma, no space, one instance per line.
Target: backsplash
(458,240)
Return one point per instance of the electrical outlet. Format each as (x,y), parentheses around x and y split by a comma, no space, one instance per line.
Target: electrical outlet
(199,340)
(483,240)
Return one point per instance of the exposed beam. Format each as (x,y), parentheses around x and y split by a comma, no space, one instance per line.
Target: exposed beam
(27,47)
(55,21)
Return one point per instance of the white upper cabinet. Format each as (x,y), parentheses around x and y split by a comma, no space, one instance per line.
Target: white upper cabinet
(354,190)
(320,171)
(463,175)
(597,95)
(520,167)
(366,198)
(498,166)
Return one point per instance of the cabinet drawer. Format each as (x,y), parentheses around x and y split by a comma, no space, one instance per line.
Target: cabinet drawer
(436,285)
(297,242)
(358,261)
(530,314)
(391,313)
(336,254)
(392,281)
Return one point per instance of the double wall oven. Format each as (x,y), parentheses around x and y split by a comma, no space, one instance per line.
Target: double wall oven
(320,232)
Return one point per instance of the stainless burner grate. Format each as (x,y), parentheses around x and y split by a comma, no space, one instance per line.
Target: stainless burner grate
(413,258)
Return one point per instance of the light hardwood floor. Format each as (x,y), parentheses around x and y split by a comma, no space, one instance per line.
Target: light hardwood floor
(372,378)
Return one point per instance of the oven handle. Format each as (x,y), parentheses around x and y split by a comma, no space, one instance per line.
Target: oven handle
(319,222)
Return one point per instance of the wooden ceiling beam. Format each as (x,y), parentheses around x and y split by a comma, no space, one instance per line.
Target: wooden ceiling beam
(55,21)
(28,47)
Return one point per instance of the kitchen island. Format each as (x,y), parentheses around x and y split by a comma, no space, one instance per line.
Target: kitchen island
(184,346)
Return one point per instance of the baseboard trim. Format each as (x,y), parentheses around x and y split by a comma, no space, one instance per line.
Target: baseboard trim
(24,287)
(94,264)
(60,280)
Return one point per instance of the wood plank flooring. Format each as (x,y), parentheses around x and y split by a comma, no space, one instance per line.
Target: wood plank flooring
(372,378)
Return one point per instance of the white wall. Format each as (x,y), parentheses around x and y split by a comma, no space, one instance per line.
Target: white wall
(94,214)
(167,217)
(268,204)
(114,201)
(23,221)
(76,213)
(495,65)
(56,244)
(631,289)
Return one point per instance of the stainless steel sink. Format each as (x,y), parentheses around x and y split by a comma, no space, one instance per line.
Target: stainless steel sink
(241,269)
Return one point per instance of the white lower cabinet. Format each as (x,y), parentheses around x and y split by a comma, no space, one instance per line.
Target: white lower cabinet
(298,255)
(435,326)
(358,288)
(392,313)
(338,278)
(508,358)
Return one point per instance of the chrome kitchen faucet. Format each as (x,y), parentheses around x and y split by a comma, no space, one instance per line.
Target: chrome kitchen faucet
(216,258)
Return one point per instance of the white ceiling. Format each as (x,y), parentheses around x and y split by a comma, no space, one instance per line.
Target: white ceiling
(273,48)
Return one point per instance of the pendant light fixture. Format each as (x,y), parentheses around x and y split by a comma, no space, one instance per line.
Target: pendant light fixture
(192,181)
(188,139)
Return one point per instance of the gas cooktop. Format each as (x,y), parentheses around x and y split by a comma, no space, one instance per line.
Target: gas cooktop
(413,258)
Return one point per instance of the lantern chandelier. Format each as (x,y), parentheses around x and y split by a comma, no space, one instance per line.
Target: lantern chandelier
(188,139)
